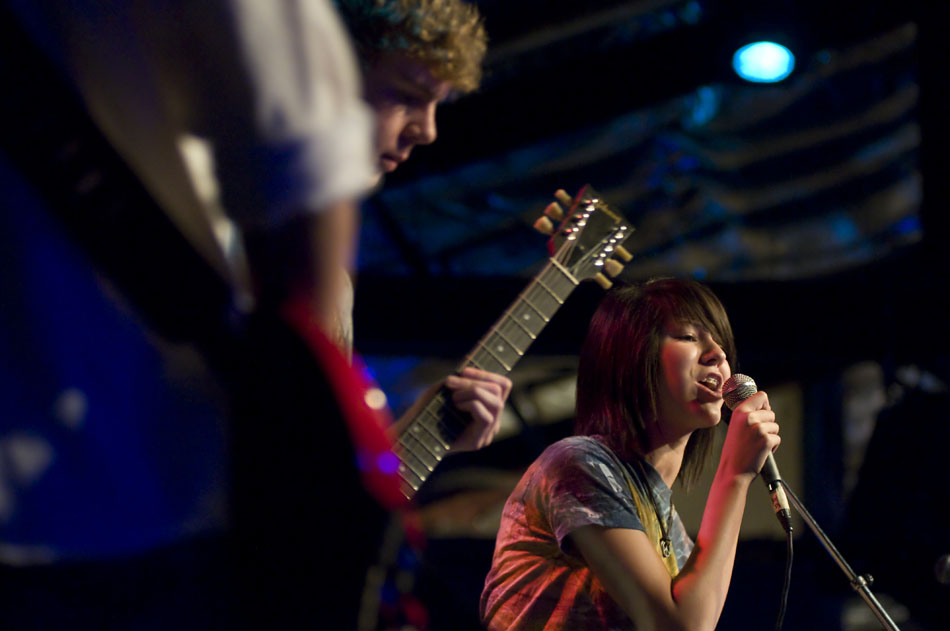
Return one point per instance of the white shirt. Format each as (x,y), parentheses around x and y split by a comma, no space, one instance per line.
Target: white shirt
(272,85)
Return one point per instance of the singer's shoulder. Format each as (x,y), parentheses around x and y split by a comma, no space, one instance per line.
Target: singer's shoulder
(577,447)
(577,455)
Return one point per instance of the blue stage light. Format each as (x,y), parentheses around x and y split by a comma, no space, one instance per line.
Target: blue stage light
(763,62)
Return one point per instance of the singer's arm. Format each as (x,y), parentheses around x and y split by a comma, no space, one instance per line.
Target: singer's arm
(626,562)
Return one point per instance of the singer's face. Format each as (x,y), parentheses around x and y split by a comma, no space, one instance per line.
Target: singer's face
(404,95)
(693,367)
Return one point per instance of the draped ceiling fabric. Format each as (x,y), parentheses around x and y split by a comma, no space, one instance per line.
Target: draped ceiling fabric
(728,182)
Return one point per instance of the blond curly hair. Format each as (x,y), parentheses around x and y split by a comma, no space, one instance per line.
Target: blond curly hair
(448,36)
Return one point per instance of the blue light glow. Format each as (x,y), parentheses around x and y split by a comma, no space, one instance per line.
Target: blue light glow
(387,462)
(704,105)
(844,229)
(763,62)
(907,225)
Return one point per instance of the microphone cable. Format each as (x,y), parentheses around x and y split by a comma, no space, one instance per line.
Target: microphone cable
(789,556)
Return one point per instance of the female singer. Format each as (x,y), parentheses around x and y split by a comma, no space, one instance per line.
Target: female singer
(589,538)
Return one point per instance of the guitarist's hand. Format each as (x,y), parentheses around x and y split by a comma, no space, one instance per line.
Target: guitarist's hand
(479,393)
(482,394)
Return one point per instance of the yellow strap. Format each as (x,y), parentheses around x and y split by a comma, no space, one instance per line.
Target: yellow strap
(651,523)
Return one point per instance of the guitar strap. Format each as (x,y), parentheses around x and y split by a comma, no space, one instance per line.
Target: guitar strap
(639,489)
(300,504)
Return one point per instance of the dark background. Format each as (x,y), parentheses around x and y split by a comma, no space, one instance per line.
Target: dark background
(813,207)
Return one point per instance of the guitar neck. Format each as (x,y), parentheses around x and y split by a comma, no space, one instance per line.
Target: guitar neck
(429,436)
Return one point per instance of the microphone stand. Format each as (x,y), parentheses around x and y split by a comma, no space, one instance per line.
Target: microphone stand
(860,584)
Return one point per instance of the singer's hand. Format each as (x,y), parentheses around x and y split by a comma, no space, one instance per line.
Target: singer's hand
(752,435)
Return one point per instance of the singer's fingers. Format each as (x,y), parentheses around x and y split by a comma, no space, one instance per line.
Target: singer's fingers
(764,427)
(761,416)
(767,439)
(758,401)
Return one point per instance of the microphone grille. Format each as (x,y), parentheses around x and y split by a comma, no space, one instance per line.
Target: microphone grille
(737,389)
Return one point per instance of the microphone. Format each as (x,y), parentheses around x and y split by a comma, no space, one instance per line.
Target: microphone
(737,389)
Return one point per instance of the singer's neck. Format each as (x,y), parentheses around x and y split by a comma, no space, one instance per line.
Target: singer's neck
(667,458)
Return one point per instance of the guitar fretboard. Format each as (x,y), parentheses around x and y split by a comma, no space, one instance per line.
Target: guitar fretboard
(429,436)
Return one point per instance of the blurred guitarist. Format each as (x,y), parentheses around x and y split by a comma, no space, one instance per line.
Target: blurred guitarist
(273,90)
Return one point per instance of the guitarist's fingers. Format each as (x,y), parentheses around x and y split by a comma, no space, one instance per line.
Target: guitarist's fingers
(476,374)
(488,395)
(482,395)
(482,428)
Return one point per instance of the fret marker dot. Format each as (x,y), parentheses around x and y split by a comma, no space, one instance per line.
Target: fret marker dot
(500,348)
(437,449)
(527,316)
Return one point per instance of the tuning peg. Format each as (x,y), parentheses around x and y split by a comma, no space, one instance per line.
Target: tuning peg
(544,226)
(603,281)
(622,253)
(554,211)
(612,267)
(562,196)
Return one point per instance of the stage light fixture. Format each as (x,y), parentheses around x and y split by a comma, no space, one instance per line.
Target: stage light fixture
(763,62)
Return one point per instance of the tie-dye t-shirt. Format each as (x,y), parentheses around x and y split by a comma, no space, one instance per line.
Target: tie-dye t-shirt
(538,580)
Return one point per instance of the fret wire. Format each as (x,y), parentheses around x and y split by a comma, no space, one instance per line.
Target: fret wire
(459,422)
(439,399)
(422,475)
(550,291)
(521,326)
(561,286)
(427,468)
(540,299)
(436,457)
(446,423)
(440,422)
(495,357)
(406,465)
(550,281)
(408,491)
(437,407)
(433,413)
(559,282)
(498,332)
(557,265)
(403,469)
(437,451)
(536,310)
(418,423)
(474,363)
(411,476)
(402,474)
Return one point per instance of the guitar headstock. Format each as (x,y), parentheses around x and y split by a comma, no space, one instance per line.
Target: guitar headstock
(589,239)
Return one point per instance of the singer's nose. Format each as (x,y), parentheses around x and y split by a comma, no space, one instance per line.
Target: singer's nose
(714,355)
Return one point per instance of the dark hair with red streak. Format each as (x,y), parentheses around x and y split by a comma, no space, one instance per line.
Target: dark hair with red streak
(619,374)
